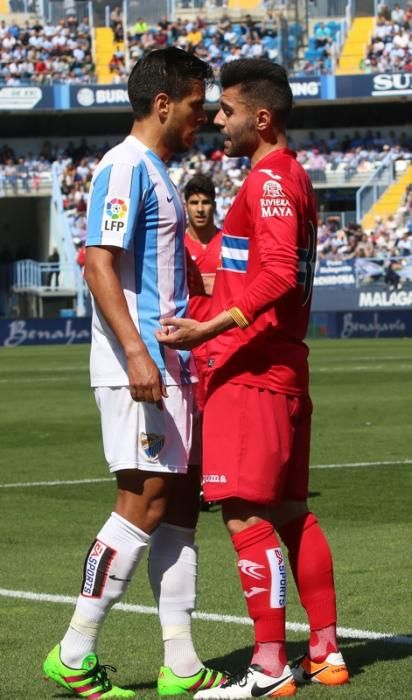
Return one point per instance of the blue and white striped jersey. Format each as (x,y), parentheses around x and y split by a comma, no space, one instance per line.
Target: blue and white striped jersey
(134,205)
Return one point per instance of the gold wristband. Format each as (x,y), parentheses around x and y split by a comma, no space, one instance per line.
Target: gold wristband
(238,317)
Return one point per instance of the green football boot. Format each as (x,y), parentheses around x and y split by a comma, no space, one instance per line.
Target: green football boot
(90,681)
(170,684)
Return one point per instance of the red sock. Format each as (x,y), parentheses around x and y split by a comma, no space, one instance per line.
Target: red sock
(311,563)
(263,578)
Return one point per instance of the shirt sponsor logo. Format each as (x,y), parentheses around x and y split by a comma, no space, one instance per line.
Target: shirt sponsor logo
(152,445)
(273,202)
(116,214)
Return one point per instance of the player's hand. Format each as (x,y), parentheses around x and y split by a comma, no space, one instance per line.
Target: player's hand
(145,380)
(181,333)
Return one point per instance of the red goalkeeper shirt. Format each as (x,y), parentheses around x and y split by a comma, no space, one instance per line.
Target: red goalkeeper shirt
(266,275)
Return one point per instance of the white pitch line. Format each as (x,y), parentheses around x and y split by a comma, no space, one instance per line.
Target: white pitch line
(347,632)
(29,484)
(360,368)
(34,380)
(361,464)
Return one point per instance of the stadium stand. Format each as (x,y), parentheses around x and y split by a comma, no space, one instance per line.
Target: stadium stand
(354,47)
(323,47)
(74,167)
(390,48)
(59,50)
(390,201)
(40,52)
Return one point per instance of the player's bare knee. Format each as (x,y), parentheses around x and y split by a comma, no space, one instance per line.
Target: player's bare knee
(239,514)
(286,511)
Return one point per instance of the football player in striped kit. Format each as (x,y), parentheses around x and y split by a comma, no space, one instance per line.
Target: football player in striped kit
(135,268)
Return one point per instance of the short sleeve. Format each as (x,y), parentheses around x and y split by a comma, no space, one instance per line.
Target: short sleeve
(116,196)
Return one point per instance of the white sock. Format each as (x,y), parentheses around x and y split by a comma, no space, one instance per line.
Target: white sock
(108,569)
(173,574)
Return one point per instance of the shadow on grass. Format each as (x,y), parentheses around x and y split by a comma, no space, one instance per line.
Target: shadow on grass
(359,654)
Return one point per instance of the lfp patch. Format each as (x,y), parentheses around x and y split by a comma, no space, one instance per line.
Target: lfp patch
(116,213)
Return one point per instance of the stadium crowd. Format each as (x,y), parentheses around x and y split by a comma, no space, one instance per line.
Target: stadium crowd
(42,53)
(74,166)
(217,43)
(390,49)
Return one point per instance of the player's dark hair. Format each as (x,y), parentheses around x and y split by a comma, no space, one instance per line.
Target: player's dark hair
(261,82)
(200,184)
(171,71)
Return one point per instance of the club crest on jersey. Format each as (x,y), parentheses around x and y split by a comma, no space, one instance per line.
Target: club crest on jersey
(272,188)
(273,201)
(152,444)
(116,213)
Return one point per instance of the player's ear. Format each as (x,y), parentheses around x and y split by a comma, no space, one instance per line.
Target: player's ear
(263,119)
(161,106)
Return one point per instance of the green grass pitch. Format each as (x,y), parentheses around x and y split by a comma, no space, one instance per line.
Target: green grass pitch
(49,431)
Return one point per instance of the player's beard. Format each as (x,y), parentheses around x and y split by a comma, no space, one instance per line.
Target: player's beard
(242,140)
(174,141)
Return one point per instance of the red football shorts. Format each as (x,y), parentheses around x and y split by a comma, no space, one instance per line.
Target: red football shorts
(256,445)
(195,457)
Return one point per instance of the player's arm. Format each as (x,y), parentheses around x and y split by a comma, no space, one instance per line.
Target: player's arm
(186,333)
(107,238)
(145,380)
(276,234)
(276,238)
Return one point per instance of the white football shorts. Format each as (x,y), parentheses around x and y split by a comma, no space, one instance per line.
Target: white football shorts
(138,435)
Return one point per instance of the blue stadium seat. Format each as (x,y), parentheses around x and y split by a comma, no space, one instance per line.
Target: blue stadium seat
(270,42)
(311,55)
(238,29)
(295,29)
(333,26)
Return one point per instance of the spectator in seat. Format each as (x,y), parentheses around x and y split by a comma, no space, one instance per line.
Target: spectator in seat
(23,174)
(10,175)
(116,16)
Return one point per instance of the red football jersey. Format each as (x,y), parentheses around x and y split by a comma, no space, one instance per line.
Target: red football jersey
(266,272)
(206,258)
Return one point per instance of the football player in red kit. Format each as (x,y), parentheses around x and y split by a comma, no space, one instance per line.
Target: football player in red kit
(203,243)
(257,415)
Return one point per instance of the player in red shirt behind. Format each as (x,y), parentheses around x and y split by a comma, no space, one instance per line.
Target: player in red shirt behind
(257,415)
(203,242)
